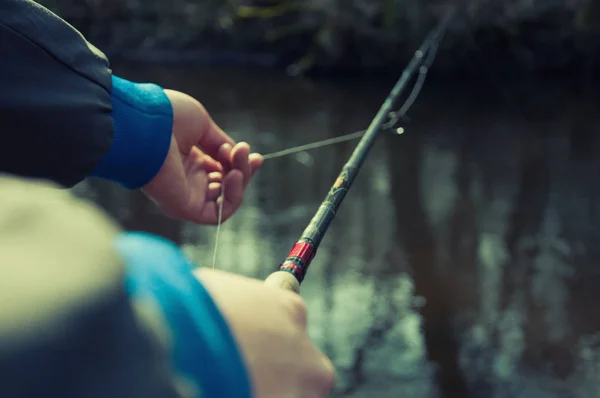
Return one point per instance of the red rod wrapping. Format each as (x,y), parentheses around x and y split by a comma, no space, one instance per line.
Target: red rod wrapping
(299,259)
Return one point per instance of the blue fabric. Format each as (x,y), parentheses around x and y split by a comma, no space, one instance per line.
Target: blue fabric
(204,348)
(143,119)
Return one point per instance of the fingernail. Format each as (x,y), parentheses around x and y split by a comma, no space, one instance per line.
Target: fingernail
(226,147)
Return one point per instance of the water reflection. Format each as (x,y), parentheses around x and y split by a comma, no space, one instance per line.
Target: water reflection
(461,263)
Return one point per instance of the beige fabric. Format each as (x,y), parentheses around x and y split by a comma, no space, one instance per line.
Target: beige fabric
(55,253)
(67,329)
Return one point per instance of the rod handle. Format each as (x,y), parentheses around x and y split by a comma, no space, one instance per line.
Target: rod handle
(283,280)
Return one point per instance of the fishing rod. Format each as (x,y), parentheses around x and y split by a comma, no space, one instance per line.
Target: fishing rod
(292,271)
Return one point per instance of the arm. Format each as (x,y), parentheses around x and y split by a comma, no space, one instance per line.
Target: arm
(88,311)
(64,115)
(204,351)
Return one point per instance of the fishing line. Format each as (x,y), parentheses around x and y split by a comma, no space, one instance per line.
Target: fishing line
(314,145)
(219,222)
(393,116)
(279,154)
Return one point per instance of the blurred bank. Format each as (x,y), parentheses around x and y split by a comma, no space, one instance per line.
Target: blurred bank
(362,35)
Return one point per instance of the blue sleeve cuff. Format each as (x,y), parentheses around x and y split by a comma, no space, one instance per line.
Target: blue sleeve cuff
(204,349)
(143,120)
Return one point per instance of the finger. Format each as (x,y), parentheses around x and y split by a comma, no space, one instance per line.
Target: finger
(210,213)
(256,160)
(224,157)
(239,160)
(215,177)
(325,381)
(296,309)
(211,165)
(196,159)
(214,191)
(234,192)
(322,375)
(233,195)
(193,125)
(213,138)
(192,160)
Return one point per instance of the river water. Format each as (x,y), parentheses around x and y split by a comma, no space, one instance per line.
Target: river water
(463,262)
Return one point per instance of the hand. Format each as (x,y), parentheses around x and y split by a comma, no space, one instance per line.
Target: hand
(281,359)
(201,158)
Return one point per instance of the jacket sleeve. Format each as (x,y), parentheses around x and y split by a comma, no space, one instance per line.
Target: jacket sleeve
(89,311)
(67,326)
(204,350)
(64,115)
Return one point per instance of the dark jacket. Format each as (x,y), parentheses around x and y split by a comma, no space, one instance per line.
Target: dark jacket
(55,106)
(64,116)
(85,309)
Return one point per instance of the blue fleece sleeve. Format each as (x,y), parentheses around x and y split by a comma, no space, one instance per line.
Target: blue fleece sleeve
(204,349)
(142,119)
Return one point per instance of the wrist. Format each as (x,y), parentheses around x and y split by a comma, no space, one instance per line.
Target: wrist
(204,350)
(170,184)
(142,125)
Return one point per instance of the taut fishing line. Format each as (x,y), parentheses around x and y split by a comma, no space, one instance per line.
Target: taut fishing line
(394,117)
(314,145)
(219,222)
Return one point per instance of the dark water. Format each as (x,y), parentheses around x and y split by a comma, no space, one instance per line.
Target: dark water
(463,262)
